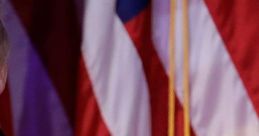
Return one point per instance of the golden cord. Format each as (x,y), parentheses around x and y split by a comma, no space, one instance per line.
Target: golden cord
(171,103)
(186,89)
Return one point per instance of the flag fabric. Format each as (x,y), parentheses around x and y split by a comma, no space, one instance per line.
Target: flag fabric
(101,68)
(45,41)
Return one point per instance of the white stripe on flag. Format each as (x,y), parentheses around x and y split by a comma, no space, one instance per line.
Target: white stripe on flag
(220,104)
(116,71)
(160,27)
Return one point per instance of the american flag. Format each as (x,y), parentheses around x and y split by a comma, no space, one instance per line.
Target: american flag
(131,68)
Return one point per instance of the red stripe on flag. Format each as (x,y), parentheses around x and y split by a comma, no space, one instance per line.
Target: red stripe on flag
(139,29)
(179,120)
(6,113)
(238,24)
(89,121)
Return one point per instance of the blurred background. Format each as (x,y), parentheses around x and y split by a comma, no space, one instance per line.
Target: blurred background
(131,68)
(45,38)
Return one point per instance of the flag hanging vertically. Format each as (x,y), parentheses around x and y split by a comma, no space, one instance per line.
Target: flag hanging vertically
(115,81)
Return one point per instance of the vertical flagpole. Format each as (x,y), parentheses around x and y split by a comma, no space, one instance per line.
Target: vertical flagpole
(171,99)
(186,79)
